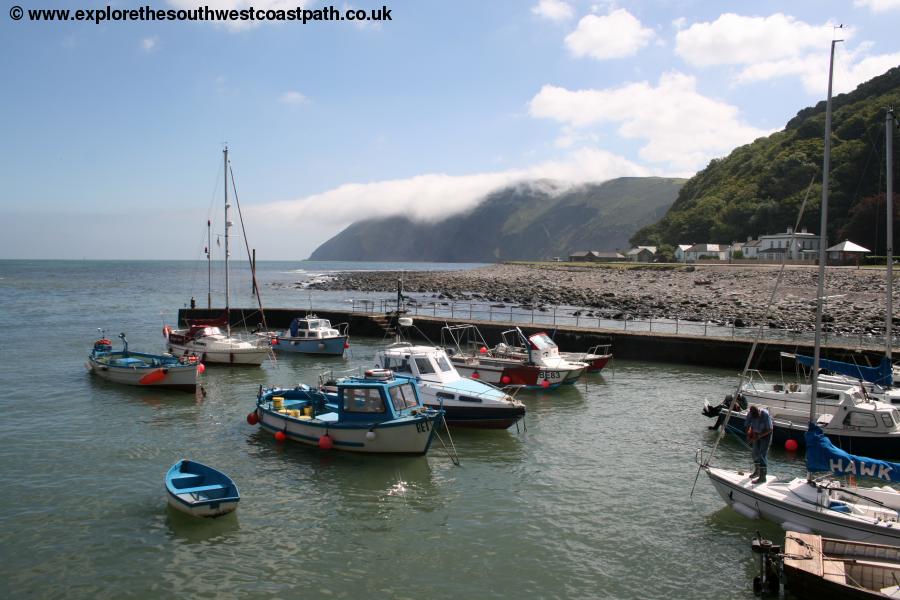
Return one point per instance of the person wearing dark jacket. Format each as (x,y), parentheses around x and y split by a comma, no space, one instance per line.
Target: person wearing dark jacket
(759,434)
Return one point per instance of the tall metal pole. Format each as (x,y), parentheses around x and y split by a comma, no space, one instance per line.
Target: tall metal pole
(889,159)
(208,264)
(823,244)
(227,226)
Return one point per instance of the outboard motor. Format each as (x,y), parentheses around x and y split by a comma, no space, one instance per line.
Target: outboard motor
(768,582)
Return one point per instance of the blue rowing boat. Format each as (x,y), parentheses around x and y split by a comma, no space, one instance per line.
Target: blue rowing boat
(201,491)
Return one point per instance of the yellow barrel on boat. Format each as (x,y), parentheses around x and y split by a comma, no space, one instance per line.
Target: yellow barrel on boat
(307,410)
(277,402)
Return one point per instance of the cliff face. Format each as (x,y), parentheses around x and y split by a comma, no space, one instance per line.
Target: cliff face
(523,222)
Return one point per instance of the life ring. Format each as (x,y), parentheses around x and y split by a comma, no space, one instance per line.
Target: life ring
(378,373)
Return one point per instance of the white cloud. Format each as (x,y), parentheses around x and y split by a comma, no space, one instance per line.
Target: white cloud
(149,43)
(679,23)
(736,39)
(433,196)
(851,68)
(878,5)
(615,35)
(292,97)
(680,127)
(553,10)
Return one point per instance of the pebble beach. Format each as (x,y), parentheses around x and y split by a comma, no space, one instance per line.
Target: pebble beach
(721,294)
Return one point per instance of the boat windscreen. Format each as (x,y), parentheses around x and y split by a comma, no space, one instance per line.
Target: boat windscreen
(424,366)
(442,363)
(403,396)
(542,341)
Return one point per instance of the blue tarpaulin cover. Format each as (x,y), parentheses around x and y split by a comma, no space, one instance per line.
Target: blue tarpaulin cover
(881,375)
(822,455)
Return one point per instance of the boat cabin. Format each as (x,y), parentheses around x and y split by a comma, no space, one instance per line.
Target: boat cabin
(428,363)
(377,397)
(857,413)
(312,327)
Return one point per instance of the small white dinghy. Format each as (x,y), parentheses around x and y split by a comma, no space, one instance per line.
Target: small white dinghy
(200,491)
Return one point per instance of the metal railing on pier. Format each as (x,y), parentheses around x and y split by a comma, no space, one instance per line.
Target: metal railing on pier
(557,316)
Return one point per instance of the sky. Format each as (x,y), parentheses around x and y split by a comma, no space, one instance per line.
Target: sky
(113,132)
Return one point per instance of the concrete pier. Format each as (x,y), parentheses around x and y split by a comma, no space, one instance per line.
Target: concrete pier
(711,351)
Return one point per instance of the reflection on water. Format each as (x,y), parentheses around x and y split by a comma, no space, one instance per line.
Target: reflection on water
(194,530)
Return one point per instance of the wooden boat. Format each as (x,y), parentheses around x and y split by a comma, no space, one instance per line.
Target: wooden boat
(147,370)
(818,567)
(312,335)
(200,491)
(377,413)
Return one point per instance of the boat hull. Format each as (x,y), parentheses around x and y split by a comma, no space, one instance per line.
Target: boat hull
(736,489)
(510,375)
(220,356)
(478,417)
(180,377)
(200,491)
(411,435)
(324,346)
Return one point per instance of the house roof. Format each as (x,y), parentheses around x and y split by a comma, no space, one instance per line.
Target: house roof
(707,248)
(848,246)
(608,255)
(639,249)
(751,244)
(684,247)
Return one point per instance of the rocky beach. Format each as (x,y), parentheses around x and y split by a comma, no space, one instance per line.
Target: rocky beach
(719,294)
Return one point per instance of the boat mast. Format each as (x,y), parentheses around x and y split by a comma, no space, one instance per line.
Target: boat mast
(823,244)
(889,201)
(227,225)
(208,264)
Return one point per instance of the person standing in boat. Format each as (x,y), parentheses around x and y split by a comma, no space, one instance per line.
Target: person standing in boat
(759,434)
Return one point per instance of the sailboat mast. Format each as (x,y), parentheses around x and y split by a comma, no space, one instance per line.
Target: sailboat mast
(208,264)
(889,201)
(823,244)
(227,226)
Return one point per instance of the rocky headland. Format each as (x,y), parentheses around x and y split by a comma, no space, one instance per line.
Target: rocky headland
(719,294)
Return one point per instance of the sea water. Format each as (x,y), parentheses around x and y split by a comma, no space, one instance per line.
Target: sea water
(589,498)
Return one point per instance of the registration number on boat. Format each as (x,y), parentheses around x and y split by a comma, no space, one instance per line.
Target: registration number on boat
(423,426)
(548,375)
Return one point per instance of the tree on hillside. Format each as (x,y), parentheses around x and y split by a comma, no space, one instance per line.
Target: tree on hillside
(866,224)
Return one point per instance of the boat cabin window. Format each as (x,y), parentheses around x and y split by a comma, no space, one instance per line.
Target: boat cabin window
(445,396)
(861,419)
(442,364)
(302,325)
(828,396)
(886,419)
(424,366)
(403,396)
(363,400)
(325,323)
(469,399)
(542,341)
(896,415)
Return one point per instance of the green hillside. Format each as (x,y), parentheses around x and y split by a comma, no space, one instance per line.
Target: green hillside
(523,222)
(758,188)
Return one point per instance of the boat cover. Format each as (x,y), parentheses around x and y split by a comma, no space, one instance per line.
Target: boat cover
(881,375)
(822,455)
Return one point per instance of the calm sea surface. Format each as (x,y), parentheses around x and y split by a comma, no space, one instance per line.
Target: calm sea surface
(592,501)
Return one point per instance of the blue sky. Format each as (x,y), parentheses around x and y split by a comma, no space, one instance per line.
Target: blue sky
(113,132)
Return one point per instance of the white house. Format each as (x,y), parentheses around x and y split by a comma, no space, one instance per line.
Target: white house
(713,251)
(751,248)
(680,250)
(805,245)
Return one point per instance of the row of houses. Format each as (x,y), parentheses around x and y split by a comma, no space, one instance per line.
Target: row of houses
(800,246)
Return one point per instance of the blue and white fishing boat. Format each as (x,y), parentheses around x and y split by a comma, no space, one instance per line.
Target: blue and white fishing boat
(200,491)
(312,335)
(137,368)
(377,413)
